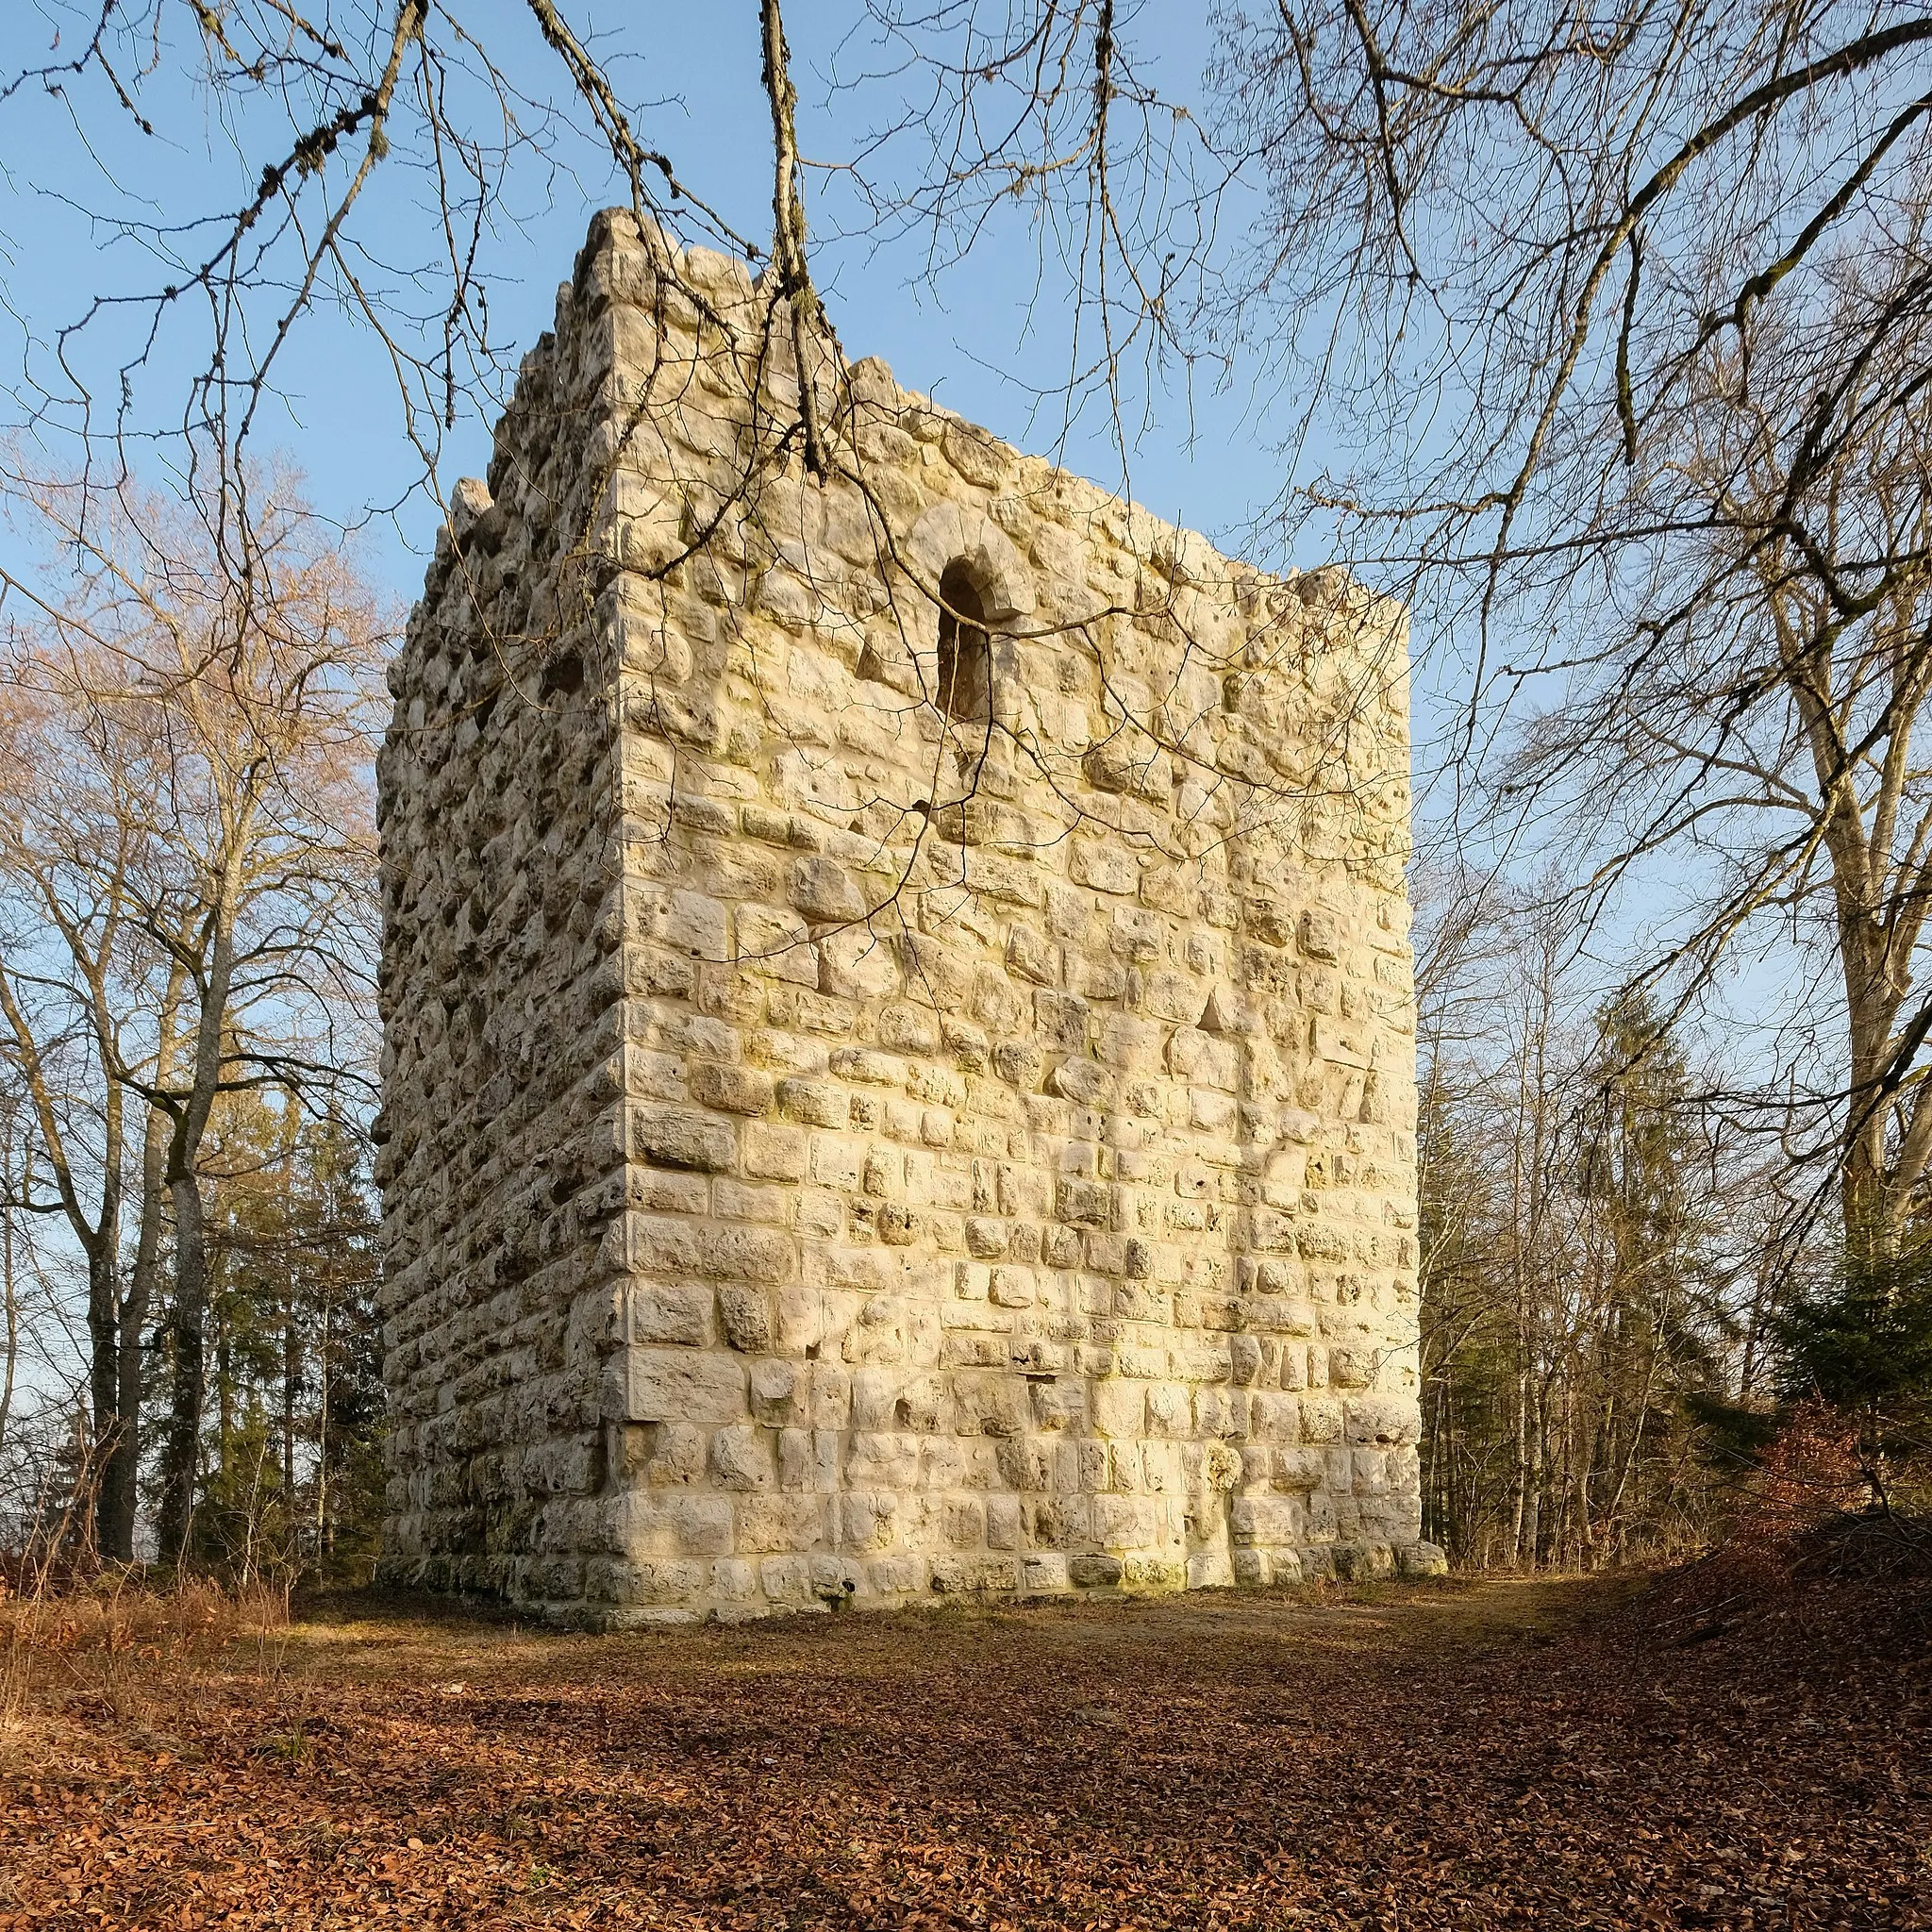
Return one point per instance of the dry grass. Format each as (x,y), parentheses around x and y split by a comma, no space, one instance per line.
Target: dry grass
(118,1649)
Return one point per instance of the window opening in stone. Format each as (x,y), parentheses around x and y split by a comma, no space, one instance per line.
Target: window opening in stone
(563,676)
(965,652)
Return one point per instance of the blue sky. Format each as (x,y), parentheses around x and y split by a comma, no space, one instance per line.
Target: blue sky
(986,336)
(691,76)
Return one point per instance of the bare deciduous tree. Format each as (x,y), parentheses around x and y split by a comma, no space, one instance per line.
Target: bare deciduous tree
(1582,1286)
(189,761)
(1628,317)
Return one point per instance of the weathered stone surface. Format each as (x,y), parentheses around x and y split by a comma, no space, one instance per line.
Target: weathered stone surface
(655,1385)
(843,1151)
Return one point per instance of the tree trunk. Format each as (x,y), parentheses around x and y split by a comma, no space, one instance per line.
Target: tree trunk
(188,1327)
(291,1375)
(1518,1480)
(121,1485)
(190,1119)
(1536,1427)
(324,1538)
(104,1379)
(1864,1192)
(11,1308)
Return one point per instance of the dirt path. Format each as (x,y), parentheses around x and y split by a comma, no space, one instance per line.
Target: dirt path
(1510,1752)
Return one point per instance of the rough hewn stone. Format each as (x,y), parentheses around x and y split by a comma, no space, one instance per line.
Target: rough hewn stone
(836,1150)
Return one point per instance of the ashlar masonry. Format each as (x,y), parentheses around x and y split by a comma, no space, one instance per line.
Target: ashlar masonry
(899,1069)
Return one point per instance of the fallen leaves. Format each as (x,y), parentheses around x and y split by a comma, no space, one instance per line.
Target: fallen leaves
(1440,1758)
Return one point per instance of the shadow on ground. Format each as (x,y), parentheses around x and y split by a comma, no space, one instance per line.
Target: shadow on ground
(1549,1753)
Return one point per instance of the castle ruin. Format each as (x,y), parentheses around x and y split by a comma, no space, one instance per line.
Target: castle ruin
(899,1067)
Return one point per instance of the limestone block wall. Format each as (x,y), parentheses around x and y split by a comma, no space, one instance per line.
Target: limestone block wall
(497,796)
(859,1130)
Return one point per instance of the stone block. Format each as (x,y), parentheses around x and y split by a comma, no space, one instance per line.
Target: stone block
(1119,1407)
(1004,1524)
(655,1524)
(777,1389)
(745,1313)
(681,1137)
(774,1153)
(1320,935)
(1084,1203)
(1386,1421)
(1043,1573)
(1019,1062)
(778,942)
(786,1580)
(823,889)
(658,1582)
(729,1089)
(745,1254)
(1106,865)
(990,1406)
(857,963)
(936,973)
(1265,1519)
(741,1457)
(735,1579)
(801,1319)
(1061,1022)
(1351,1368)
(779,1524)
(1012,1288)
(1363,1562)
(964,1521)
(659,1385)
(867,1520)
(1320,1419)
(680,1314)
(1087,1570)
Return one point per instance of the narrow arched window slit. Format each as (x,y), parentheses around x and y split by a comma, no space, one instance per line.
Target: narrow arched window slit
(965,663)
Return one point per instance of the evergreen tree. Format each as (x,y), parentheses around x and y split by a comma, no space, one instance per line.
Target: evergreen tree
(291,1479)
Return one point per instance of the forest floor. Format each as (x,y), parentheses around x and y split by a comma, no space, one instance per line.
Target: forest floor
(1560,1754)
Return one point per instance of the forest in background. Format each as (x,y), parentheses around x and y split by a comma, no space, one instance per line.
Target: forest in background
(188,926)
(1623,1289)
(1628,323)
(1627,1294)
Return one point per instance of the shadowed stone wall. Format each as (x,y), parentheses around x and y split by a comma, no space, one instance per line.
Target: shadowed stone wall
(880,1103)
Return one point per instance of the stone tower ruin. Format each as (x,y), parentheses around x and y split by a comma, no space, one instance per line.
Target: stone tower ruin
(899,1026)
